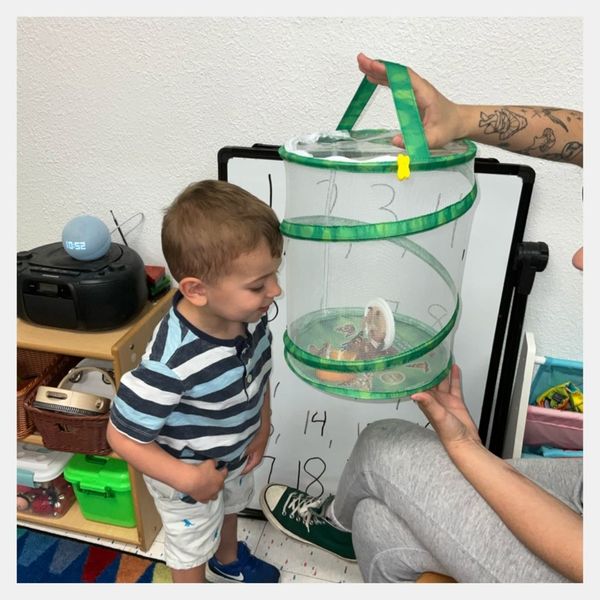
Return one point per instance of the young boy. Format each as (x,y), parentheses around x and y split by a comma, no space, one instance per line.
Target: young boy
(194,416)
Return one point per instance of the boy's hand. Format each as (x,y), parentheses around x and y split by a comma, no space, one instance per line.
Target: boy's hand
(206,481)
(256,449)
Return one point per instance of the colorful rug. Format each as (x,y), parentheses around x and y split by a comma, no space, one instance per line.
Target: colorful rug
(46,558)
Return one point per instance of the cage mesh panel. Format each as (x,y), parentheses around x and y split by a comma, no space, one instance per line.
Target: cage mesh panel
(372,197)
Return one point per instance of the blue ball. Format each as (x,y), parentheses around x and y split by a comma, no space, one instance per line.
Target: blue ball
(86,238)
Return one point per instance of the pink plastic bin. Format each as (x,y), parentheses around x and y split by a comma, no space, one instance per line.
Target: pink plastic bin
(551,427)
(548,426)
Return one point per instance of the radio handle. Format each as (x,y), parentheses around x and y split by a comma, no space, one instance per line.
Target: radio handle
(76,370)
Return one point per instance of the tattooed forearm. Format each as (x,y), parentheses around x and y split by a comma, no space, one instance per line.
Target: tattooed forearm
(533,131)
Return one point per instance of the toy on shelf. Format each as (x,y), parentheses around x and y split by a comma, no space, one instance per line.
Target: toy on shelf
(52,498)
(158,281)
(565,396)
(41,487)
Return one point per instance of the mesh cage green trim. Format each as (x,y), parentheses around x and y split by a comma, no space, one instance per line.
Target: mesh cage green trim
(431,164)
(357,104)
(375,364)
(406,110)
(365,395)
(360,231)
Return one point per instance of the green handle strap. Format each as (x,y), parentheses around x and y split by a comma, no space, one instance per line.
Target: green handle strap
(406,109)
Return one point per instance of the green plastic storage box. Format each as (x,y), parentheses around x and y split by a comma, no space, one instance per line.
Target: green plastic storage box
(102,488)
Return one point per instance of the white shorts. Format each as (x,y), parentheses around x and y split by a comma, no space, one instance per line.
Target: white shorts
(193,531)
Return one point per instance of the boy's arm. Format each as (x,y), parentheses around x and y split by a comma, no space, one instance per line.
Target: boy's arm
(149,459)
(256,448)
(202,482)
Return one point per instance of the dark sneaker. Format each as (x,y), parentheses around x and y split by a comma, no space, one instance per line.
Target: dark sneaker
(246,569)
(302,517)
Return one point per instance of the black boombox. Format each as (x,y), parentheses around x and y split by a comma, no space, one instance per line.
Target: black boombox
(56,290)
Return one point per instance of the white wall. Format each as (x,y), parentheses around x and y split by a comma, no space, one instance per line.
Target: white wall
(122,113)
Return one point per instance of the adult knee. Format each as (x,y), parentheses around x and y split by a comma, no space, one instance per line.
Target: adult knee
(394,436)
(381,542)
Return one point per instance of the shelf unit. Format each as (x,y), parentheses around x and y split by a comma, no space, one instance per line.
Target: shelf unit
(124,347)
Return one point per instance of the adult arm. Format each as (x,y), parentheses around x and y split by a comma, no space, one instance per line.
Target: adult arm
(540,131)
(549,528)
(546,526)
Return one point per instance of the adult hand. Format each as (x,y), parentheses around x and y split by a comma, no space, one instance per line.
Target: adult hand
(444,406)
(440,117)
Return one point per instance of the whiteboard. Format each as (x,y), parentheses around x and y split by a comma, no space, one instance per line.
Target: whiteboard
(313,433)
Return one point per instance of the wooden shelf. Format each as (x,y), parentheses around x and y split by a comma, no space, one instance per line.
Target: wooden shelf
(74,521)
(124,347)
(35,439)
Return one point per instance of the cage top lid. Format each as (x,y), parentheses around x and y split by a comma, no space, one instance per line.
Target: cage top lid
(368,150)
(371,150)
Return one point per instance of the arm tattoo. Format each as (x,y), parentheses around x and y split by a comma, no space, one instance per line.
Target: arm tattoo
(569,152)
(549,113)
(504,122)
(542,143)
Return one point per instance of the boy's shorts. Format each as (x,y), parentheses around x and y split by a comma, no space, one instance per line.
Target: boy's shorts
(193,531)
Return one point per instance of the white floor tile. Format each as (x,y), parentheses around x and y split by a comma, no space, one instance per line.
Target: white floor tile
(294,557)
(250,531)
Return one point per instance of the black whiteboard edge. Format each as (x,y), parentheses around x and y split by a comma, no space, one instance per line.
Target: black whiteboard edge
(482,165)
(258,151)
(498,361)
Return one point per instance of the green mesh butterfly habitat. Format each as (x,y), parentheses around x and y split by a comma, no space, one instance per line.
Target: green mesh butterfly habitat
(376,238)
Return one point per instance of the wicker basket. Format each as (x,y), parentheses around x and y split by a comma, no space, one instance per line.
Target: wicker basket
(85,434)
(35,368)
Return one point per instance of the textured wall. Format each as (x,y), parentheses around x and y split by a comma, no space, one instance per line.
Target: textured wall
(122,113)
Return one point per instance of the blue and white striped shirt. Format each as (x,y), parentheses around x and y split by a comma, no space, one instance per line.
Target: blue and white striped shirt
(197,396)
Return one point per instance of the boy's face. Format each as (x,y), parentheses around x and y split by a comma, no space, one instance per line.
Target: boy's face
(247,292)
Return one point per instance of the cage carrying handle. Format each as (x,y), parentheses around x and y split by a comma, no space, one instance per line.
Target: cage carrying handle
(406,109)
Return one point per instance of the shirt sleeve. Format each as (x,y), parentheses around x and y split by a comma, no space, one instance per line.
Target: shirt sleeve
(145,399)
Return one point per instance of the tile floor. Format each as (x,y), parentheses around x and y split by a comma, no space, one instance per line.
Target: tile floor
(298,562)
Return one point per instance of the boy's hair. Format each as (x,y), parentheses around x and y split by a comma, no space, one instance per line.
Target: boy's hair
(210,224)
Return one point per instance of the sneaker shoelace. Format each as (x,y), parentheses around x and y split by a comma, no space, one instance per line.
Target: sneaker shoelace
(305,508)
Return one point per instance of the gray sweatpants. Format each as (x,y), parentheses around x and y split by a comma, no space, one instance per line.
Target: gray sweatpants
(410,510)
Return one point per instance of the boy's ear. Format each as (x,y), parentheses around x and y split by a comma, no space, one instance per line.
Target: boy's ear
(194,290)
